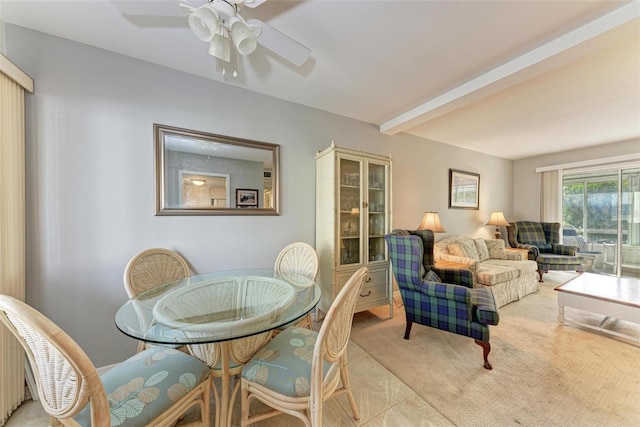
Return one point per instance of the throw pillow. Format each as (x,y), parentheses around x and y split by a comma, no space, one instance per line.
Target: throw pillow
(481,247)
(431,276)
(456,249)
(465,249)
(496,249)
(469,248)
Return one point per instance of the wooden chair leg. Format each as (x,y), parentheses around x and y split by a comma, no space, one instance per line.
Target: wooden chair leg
(486,348)
(408,330)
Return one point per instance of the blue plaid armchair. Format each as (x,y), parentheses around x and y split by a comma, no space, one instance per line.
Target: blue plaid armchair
(543,241)
(439,297)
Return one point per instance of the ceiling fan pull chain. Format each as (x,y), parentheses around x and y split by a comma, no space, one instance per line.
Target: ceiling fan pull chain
(235,64)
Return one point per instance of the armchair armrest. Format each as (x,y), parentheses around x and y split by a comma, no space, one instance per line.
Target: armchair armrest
(455,276)
(532,248)
(484,306)
(446,291)
(560,249)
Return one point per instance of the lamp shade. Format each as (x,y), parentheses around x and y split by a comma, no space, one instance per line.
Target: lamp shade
(497,219)
(431,221)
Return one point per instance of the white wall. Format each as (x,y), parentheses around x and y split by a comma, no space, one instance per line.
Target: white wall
(90,178)
(421,183)
(526,194)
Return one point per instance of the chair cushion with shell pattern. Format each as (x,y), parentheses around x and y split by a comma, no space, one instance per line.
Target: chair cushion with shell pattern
(284,364)
(147,384)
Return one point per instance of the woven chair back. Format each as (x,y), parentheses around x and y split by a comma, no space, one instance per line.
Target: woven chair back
(336,328)
(153,267)
(65,376)
(297,264)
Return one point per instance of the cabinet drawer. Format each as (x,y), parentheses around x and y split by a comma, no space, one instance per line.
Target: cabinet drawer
(375,277)
(373,293)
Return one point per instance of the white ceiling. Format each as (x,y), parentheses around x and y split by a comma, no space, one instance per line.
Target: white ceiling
(508,78)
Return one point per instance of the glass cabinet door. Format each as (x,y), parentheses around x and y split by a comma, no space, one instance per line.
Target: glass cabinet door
(377,207)
(350,210)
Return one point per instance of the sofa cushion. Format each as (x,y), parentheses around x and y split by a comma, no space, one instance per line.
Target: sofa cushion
(464,248)
(546,247)
(496,249)
(552,259)
(490,274)
(481,248)
(456,249)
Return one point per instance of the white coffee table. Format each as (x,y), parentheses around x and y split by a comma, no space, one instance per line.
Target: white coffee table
(606,295)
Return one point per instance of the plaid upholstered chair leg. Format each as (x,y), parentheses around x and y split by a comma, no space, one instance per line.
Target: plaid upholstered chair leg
(486,348)
(407,331)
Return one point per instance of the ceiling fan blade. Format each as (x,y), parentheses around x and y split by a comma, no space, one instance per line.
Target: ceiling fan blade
(153,7)
(252,3)
(280,43)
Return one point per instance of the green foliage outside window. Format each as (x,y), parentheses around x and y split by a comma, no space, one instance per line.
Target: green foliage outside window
(601,209)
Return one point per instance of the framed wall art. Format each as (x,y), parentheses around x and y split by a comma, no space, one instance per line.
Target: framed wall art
(464,190)
(246,198)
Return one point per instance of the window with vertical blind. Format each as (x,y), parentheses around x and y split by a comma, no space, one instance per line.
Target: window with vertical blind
(13,84)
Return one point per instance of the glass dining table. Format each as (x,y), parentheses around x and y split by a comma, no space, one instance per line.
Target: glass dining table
(223,317)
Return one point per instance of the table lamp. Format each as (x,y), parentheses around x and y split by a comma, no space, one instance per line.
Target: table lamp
(431,221)
(497,219)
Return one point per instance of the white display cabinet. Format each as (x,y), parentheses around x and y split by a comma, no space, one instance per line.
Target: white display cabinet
(353,213)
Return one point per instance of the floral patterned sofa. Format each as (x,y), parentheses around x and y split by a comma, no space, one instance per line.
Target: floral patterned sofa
(507,276)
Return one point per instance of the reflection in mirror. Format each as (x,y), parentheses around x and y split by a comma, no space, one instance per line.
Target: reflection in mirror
(199,173)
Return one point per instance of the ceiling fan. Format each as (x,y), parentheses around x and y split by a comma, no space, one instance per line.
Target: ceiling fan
(219,23)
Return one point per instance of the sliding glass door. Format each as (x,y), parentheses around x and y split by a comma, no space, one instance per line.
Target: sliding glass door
(629,250)
(604,208)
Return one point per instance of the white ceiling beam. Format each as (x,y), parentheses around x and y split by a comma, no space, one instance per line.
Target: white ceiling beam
(509,73)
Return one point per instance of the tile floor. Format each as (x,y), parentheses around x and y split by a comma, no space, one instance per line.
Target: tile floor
(383,400)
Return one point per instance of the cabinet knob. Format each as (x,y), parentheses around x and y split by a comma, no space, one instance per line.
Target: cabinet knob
(368,293)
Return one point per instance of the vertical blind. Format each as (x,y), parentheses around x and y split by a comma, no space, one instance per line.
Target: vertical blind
(550,196)
(12,227)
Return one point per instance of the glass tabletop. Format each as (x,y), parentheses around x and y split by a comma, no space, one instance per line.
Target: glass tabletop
(214,307)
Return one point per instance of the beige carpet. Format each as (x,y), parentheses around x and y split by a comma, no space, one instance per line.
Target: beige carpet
(544,374)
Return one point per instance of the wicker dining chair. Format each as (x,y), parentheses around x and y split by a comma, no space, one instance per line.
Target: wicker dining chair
(150,268)
(153,267)
(297,264)
(152,388)
(299,369)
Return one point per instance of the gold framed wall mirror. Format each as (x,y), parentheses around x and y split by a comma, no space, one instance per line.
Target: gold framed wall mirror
(199,173)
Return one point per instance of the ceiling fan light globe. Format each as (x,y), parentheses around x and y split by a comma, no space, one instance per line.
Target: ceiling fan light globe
(242,37)
(220,48)
(203,22)
(247,46)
